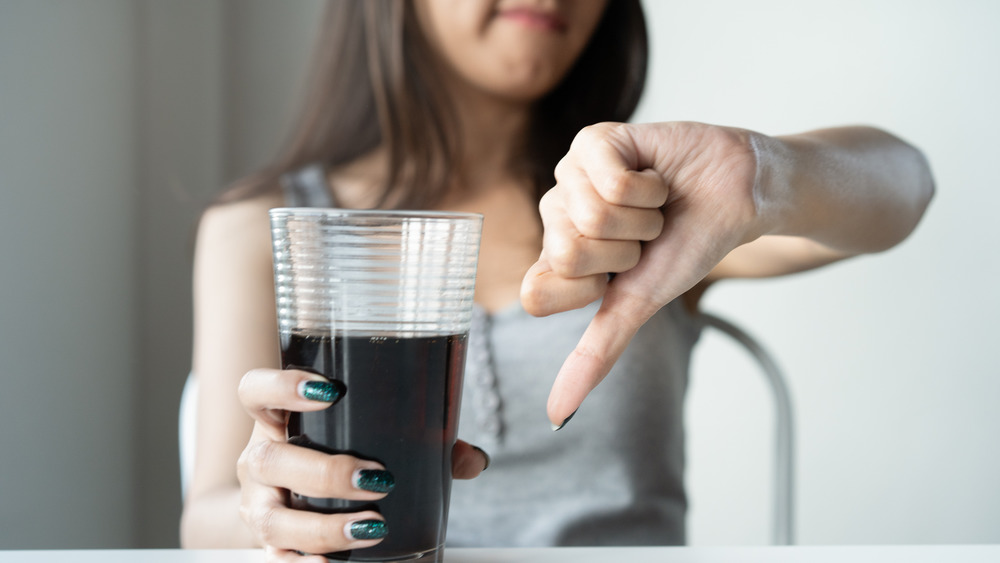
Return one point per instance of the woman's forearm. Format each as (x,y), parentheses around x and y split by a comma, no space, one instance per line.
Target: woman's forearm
(853,189)
(213,521)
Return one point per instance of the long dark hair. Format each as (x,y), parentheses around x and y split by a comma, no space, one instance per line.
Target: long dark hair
(372,83)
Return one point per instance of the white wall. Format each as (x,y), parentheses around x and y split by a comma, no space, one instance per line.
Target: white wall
(270,50)
(119,121)
(180,90)
(67,171)
(217,83)
(890,357)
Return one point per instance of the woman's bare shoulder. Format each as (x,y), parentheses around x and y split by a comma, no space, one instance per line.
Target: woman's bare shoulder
(233,250)
(233,283)
(238,224)
(237,216)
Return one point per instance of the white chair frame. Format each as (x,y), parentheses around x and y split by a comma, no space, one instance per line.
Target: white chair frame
(783,529)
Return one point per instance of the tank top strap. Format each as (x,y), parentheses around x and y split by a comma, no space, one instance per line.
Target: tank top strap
(307,187)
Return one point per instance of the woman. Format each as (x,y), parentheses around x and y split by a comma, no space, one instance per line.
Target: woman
(468,105)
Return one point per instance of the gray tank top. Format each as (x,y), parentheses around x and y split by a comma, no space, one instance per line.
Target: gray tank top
(613,476)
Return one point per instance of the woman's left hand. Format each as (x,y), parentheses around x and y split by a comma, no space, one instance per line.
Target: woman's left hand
(659,205)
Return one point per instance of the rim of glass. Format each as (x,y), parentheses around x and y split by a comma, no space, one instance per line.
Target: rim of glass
(372,213)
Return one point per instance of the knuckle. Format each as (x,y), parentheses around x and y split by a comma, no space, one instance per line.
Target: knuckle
(592,221)
(241,389)
(533,299)
(532,305)
(562,168)
(260,519)
(616,186)
(247,514)
(242,471)
(263,523)
(597,132)
(565,260)
(586,135)
(258,457)
(331,474)
(547,204)
(328,537)
(244,389)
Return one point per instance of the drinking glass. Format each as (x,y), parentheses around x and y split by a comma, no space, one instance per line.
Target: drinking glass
(380,302)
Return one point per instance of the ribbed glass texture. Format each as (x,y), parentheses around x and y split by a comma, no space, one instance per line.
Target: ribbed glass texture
(374,273)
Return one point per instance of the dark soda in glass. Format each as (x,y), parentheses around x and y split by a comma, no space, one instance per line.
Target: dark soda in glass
(400,409)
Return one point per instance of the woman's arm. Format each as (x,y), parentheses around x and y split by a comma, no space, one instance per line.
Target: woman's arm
(842,191)
(234,332)
(668,206)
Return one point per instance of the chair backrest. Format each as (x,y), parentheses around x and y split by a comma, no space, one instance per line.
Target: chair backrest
(187,430)
(783,531)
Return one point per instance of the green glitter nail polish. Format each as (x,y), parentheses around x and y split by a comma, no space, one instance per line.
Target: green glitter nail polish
(368,530)
(322,391)
(375,480)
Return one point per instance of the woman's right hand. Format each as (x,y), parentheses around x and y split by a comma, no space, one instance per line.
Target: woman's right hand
(269,468)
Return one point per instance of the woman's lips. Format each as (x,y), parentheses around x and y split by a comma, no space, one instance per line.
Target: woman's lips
(534,19)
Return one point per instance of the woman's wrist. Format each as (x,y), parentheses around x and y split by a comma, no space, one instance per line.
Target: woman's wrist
(775,193)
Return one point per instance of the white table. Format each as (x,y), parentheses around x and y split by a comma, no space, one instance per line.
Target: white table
(839,554)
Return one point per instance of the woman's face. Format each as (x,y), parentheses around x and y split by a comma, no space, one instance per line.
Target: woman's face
(516,50)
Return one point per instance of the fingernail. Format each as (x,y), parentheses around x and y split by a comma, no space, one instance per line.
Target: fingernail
(486,455)
(322,391)
(554,427)
(366,530)
(375,480)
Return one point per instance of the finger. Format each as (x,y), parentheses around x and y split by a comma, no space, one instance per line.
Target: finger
(577,257)
(543,292)
(604,341)
(670,265)
(266,393)
(572,255)
(615,166)
(468,461)
(315,474)
(595,218)
(283,528)
(629,188)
